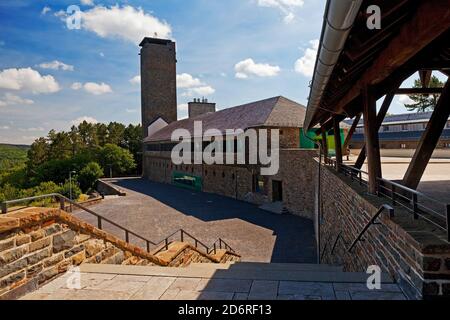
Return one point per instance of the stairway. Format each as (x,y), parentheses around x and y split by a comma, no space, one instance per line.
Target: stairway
(238,281)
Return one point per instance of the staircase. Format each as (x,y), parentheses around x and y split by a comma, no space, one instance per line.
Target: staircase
(237,281)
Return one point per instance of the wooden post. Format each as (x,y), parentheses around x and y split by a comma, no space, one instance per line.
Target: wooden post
(337,142)
(324,143)
(351,131)
(371,137)
(379,121)
(429,140)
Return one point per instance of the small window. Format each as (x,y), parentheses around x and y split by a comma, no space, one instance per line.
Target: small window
(386,128)
(404,127)
(403,146)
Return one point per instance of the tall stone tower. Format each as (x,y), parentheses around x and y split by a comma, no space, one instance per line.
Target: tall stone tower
(158,81)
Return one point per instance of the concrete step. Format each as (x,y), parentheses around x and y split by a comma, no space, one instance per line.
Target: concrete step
(250,274)
(268,266)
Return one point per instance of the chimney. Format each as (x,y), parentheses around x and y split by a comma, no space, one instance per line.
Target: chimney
(199,107)
(158,81)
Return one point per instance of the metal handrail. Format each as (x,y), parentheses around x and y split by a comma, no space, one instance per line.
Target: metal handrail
(100,219)
(370,223)
(403,196)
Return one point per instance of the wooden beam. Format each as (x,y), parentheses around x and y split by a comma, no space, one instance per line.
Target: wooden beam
(379,121)
(424,91)
(414,36)
(337,142)
(371,137)
(351,131)
(324,143)
(425,78)
(429,140)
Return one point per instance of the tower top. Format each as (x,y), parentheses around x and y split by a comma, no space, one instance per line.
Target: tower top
(155,41)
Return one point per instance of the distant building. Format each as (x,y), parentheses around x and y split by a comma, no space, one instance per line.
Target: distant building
(400,134)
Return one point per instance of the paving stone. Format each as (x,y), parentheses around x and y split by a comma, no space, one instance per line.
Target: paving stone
(377,295)
(155,288)
(224,285)
(189,284)
(306,288)
(240,296)
(116,285)
(170,294)
(342,295)
(389,287)
(264,288)
(133,278)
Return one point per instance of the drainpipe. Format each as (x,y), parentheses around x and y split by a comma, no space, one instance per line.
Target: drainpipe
(319,197)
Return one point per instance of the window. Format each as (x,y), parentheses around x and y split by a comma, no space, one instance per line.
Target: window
(404,127)
(258,184)
(403,146)
(386,128)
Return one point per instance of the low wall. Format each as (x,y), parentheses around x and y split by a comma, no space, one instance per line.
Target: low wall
(108,189)
(411,251)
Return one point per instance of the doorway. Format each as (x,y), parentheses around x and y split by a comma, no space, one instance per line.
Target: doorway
(277,191)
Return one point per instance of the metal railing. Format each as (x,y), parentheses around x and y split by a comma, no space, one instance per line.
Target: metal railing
(420,205)
(100,219)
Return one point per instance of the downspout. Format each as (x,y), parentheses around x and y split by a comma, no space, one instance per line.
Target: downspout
(319,198)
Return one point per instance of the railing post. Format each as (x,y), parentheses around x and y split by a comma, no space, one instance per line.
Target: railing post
(127,237)
(196,243)
(360,178)
(4,208)
(99,222)
(148,246)
(414,200)
(393,194)
(215,249)
(167,243)
(62,204)
(182,235)
(448,222)
(220,244)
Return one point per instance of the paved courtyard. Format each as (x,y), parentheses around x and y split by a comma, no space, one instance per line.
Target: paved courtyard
(156,210)
(113,286)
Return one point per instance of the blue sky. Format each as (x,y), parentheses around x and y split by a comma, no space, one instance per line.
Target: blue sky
(233,52)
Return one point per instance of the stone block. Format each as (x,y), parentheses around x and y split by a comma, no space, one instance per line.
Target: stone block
(93,247)
(38,256)
(40,244)
(79,258)
(73,251)
(12,279)
(36,235)
(53,260)
(64,241)
(53,229)
(13,267)
(48,274)
(12,255)
(34,270)
(447,263)
(431,264)
(430,289)
(23,239)
(6,244)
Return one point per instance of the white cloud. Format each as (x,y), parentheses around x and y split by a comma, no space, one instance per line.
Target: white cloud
(200,91)
(38,129)
(102,54)
(87,2)
(185,80)
(80,120)
(305,65)
(136,80)
(182,111)
(127,23)
(248,67)
(10,99)
(46,10)
(56,65)
(4,127)
(29,80)
(131,110)
(405,99)
(286,6)
(92,87)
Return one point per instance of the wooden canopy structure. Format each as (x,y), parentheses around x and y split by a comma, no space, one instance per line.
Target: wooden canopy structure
(414,37)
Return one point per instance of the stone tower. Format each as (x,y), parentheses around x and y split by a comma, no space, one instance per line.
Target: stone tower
(158,81)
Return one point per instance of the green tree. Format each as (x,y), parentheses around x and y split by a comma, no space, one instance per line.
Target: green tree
(423,103)
(89,175)
(38,153)
(118,159)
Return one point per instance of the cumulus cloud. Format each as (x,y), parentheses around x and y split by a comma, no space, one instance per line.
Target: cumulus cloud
(305,65)
(87,2)
(92,87)
(136,80)
(185,80)
(46,10)
(199,91)
(28,79)
(56,65)
(182,111)
(127,23)
(286,6)
(11,99)
(405,99)
(80,120)
(248,67)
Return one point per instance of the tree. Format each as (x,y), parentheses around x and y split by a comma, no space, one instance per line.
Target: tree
(38,153)
(118,159)
(423,103)
(89,175)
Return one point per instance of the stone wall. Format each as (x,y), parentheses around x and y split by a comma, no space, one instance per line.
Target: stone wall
(411,251)
(38,244)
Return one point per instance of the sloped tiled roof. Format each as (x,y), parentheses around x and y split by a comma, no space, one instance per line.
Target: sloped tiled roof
(273,112)
(402,118)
